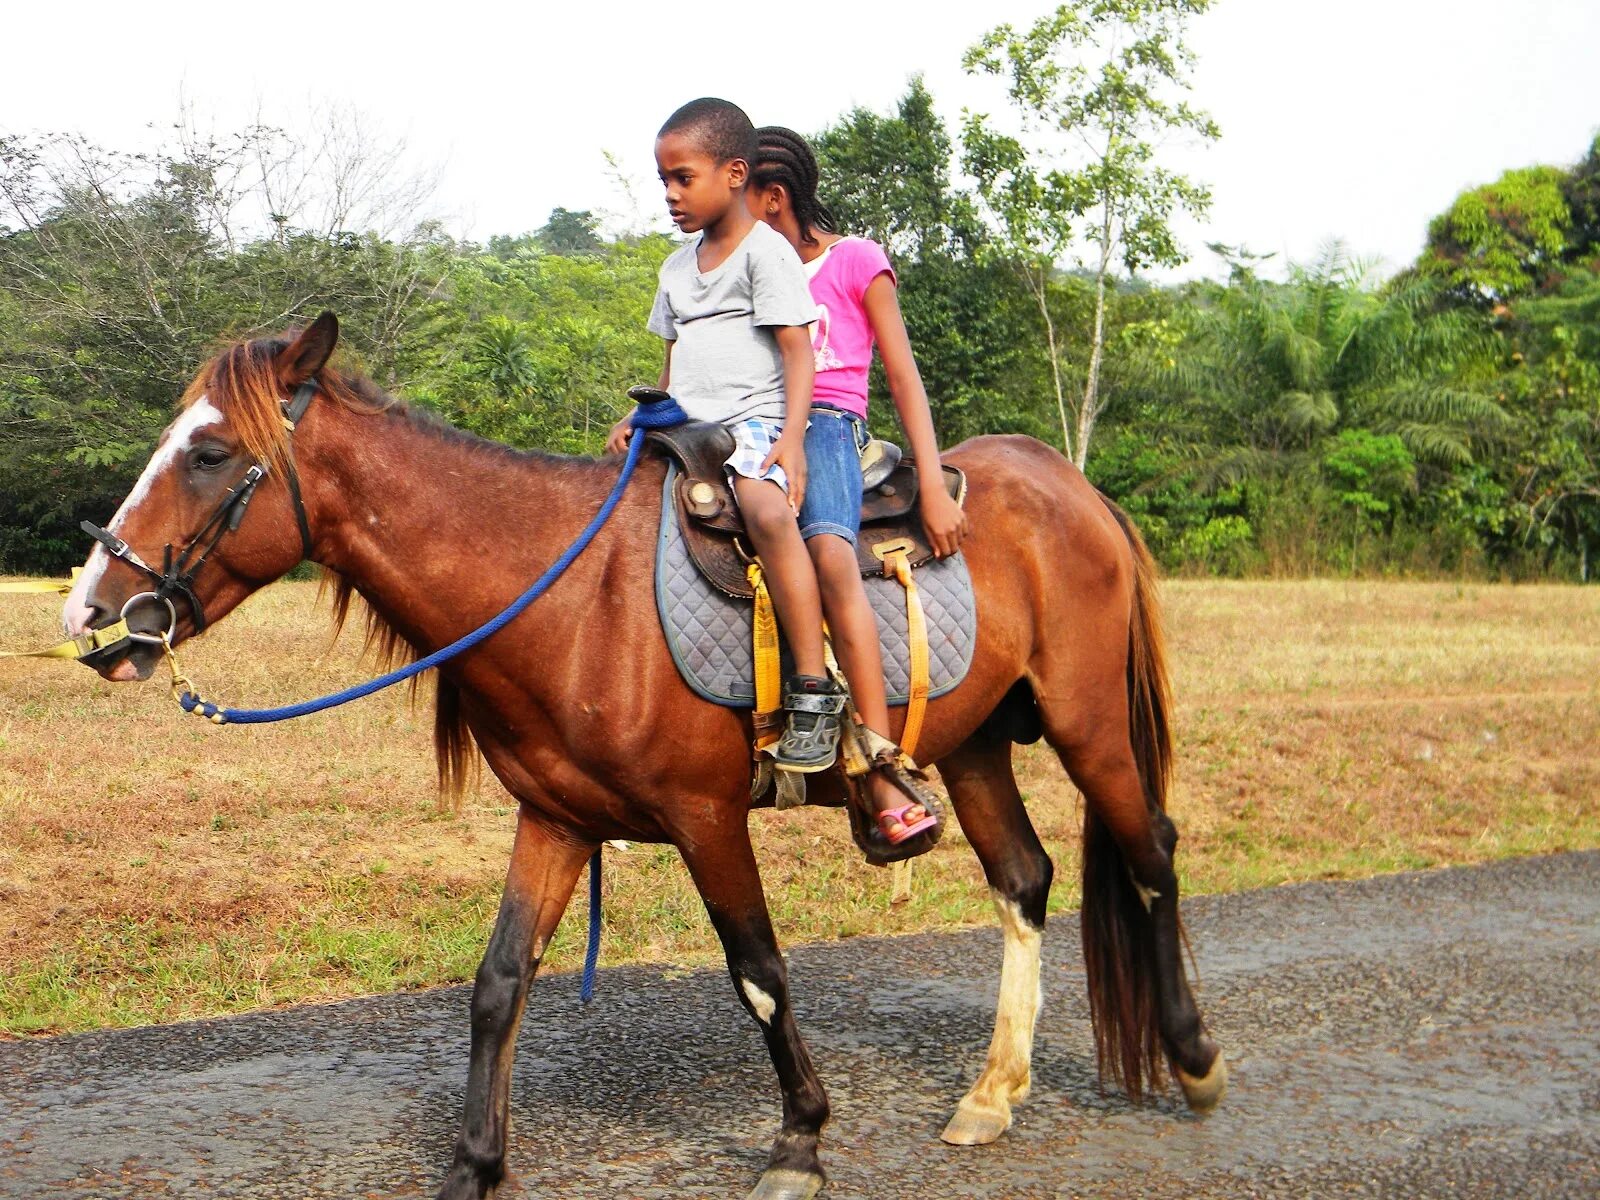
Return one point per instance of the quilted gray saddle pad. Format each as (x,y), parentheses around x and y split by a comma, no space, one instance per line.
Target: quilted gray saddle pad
(709,632)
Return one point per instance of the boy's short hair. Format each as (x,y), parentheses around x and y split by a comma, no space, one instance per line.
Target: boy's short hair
(719,127)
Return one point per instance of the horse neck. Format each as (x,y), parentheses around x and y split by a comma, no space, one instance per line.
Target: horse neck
(435,533)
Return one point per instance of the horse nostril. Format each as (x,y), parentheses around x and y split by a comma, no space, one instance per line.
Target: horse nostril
(81,616)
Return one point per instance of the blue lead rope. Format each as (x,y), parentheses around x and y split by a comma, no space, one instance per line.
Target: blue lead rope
(648,415)
(661,415)
(591,956)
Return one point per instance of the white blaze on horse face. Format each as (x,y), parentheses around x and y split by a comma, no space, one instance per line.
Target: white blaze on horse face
(764,1004)
(76,613)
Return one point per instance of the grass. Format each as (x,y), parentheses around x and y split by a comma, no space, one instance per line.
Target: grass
(154,868)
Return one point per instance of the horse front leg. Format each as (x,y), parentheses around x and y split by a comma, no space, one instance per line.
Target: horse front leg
(723,867)
(544,868)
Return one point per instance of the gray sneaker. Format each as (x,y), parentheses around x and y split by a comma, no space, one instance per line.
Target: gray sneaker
(810,741)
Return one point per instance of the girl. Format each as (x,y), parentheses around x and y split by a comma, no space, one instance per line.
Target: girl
(854,289)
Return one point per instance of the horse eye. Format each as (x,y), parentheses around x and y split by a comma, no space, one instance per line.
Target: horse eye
(211,458)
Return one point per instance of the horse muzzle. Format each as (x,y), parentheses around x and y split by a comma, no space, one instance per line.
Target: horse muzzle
(142,630)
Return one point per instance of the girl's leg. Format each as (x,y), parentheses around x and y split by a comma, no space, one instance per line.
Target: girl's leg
(854,630)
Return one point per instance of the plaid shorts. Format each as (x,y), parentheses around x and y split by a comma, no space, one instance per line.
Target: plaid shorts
(753,440)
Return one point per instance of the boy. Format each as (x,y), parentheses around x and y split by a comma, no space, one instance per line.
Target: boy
(734,306)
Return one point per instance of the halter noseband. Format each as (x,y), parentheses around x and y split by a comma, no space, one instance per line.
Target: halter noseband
(177,574)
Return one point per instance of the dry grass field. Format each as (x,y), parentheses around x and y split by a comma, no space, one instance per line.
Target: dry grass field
(153,867)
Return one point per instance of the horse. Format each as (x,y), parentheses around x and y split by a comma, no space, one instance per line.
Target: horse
(577,707)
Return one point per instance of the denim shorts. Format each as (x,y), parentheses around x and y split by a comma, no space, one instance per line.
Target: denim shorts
(834,442)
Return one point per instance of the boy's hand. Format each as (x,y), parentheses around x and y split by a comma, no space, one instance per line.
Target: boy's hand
(944,520)
(789,452)
(617,441)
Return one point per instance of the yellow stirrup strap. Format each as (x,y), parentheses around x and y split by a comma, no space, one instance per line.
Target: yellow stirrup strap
(917,635)
(769,681)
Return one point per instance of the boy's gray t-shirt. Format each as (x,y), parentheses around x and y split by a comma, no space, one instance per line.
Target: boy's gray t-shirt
(726,365)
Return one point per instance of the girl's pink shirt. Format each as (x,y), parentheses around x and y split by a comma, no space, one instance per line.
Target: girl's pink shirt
(841,339)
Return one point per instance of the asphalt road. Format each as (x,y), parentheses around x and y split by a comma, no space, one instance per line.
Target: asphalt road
(1432,1034)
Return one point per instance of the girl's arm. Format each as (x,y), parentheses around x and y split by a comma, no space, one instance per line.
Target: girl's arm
(942,517)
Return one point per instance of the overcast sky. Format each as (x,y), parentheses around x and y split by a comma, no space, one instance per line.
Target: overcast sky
(1359,119)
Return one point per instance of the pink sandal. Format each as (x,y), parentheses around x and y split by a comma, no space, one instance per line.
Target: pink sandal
(891,817)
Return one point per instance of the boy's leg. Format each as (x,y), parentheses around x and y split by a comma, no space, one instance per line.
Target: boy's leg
(790,575)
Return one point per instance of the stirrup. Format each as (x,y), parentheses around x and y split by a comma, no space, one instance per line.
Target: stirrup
(878,462)
(911,782)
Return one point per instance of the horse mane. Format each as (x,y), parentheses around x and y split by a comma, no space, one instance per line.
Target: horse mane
(454,751)
(241,380)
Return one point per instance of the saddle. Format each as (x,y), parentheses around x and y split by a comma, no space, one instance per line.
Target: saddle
(714,531)
(891,542)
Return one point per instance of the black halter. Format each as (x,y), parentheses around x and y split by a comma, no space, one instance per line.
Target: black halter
(177,574)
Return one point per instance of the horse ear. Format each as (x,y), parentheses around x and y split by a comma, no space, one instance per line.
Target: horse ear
(309,352)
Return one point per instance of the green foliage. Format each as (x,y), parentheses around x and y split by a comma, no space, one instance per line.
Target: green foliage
(1447,419)
(1370,472)
(1503,239)
(538,349)
(569,232)
(888,178)
(1553,383)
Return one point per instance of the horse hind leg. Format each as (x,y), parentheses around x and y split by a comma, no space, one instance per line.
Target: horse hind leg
(1144,1013)
(984,792)
(724,869)
(539,883)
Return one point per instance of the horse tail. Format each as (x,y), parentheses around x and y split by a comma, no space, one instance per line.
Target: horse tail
(1118,941)
(453,746)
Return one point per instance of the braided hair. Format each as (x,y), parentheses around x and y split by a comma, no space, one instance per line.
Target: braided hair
(782,156)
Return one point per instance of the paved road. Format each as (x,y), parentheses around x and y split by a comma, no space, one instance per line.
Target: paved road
(1431,1034)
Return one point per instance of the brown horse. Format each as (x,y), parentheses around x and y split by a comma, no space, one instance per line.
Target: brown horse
(579,711)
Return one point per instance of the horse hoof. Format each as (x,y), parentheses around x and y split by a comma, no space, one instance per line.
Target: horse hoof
(1205,1093)
(975,1126)
(785,1183)
(464,1185)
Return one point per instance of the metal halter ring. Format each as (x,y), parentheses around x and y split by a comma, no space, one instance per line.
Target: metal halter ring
(153,639)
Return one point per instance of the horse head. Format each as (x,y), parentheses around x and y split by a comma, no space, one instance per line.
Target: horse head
(216,513)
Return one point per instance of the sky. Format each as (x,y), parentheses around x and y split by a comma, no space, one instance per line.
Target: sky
(1356,120)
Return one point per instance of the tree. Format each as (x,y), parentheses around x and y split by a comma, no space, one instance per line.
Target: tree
(538,349)
(1501,240)
(1581,190)
(570,232)
(1095,75)
(119,272)
(1552,383)
(887,177)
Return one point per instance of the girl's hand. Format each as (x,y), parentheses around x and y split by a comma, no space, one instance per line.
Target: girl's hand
(944,520)
(789,452)
(617,442)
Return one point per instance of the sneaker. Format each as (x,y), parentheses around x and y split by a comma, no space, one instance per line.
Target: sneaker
(810,740)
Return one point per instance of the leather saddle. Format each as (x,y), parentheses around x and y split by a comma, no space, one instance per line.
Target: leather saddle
(714,532)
